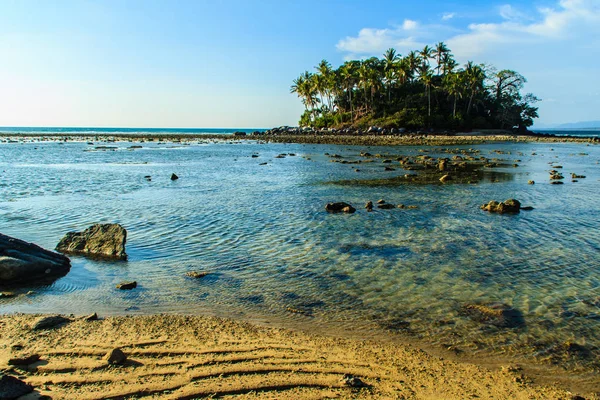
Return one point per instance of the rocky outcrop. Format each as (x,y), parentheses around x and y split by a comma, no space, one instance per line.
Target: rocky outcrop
(49,322)
(99,240)
(509,206)
(127,285)
(339,207)
(22,262)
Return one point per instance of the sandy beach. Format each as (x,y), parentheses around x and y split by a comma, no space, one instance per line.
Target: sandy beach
(186,357)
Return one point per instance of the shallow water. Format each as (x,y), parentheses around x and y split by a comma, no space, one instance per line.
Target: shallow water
(275,255)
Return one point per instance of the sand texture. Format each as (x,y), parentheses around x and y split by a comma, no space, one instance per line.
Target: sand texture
(188,357)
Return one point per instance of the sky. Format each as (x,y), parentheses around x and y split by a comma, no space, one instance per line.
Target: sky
(230,63)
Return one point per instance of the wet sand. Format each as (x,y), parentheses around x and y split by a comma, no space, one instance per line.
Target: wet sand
(187,357)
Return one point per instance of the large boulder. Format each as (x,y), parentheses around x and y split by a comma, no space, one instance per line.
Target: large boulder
(508,206)
(22,262)
(99,240)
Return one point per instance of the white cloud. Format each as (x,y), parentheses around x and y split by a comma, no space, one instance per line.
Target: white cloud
(409,25)
(448,16)
(567,20)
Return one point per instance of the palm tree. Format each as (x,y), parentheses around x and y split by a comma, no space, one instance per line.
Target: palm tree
(348,73)
(426,54)
(440,50)
(426,76)
(454,85)
(325,81)
(413,58)
(475,75)
(390,61)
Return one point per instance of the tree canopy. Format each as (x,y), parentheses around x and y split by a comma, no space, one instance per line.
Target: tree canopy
(424,89)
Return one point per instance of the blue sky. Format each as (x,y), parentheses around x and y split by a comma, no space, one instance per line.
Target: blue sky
(231,63)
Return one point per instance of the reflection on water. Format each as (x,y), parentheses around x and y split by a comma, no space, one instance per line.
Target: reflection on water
(274,254)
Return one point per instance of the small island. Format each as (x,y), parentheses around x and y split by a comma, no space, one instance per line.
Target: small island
(424,90)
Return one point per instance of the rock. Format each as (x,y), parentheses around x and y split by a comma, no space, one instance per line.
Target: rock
(380,201)
(13,388)
(508,206)
(115,357)
(496,314)
(556,176)
(575,176)
(389,169)
(527,208)
(174,177)
(24,359)
(369,206)
(22,262)
(99,240)
(353,381)
(442,165)
(556,182)
(7,295)
(445,178)
(91,317)
(263,163)
(339,207)
(254,156)
(48,322)
(531,182)
(239,134)
(127,285)
(386,206)
(196,274)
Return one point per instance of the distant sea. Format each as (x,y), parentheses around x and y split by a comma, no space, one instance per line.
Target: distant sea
(123,131)
(208,131)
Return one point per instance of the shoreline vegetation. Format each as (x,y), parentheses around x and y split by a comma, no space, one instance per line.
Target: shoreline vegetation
(185,357)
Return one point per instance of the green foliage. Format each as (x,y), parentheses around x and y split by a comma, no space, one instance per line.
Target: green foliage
(424,89)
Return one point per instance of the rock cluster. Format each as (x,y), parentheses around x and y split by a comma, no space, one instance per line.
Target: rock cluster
(508,206)
(339,207)
(23,262)
(99,240)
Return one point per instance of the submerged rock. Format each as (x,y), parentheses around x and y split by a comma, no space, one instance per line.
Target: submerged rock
(386,206)
(339,207)
(496,314)
(127,285)
(369,206)
(23,262)
(508,206)
(99,240)
(196,274)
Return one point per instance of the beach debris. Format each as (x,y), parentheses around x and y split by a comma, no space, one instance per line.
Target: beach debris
(23,262)
(13,388)
(23,359)
(196,274)
(508,206)
(115,357)
(49,322)
(127,285)
(174,177)
(99,240)
(369,206)
(496,314)
(339,207)
(353,381)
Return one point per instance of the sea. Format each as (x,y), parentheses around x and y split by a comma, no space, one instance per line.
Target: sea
(252,215)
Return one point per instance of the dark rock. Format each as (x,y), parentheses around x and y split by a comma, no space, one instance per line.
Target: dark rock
(49,322)
(127,285)
(339,207)
(174,177)
(99,240)
(254,156)
(527,208)
(7,295)
(531,182)
(115,357)
(91,317)
(239,134)
(22,262)
(381,201)
(353,381)
(575,176)
(386,206)
(264,163)
(369,206)
(496,314)
(24,359)
(12,388)
(445,178)
(196,274)
(556,182)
